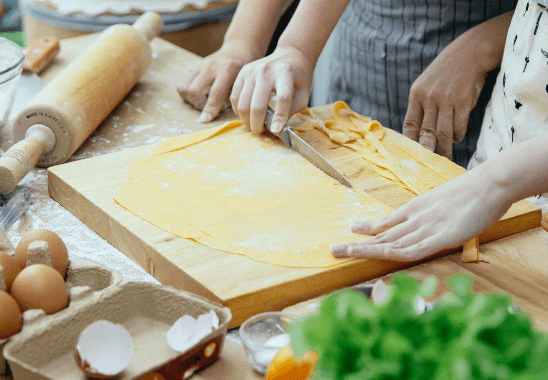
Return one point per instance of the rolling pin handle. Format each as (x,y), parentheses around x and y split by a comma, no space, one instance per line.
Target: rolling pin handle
(44,134)
(21,157)
(150,24)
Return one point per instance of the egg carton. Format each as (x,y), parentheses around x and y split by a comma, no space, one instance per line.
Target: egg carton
(45,348)
(81,272)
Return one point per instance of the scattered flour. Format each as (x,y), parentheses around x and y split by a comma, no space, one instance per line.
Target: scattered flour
(141,128)
(80,240)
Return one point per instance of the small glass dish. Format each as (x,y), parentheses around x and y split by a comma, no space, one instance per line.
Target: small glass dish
(263,335)
(11,66)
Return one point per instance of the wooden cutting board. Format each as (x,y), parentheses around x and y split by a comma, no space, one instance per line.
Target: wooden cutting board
(86,188)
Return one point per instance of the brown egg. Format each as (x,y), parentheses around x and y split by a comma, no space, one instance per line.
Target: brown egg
(58,249)
(10,316)
(11,269)
(40,286)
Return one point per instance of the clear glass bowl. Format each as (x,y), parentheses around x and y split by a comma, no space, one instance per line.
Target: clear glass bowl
(11,66)
(263,335)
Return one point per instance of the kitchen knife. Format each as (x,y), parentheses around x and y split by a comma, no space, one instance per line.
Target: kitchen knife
(41,53)
(292,140)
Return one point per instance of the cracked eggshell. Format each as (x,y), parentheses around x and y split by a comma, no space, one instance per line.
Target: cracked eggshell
(103,350)
(45,349)
(188,331)
(81,273)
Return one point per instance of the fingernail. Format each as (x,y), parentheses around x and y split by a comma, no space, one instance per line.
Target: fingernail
(276,127)
(205,117)
(357,227)
(338,249)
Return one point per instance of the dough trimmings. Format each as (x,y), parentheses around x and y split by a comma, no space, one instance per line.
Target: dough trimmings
(402,164)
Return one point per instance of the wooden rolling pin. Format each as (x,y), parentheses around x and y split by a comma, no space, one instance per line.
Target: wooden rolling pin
(60,118)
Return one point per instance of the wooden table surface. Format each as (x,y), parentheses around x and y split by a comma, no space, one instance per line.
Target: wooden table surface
(517,264)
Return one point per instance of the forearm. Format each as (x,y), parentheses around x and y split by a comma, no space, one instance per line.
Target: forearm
(489,38)
(311,26)
(254,23)
(518,172)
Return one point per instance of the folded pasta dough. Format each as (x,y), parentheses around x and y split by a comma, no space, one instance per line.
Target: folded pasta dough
(404,164)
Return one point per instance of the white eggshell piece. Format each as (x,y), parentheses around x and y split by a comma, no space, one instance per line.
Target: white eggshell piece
(187,331)
(107,347)
(209,321)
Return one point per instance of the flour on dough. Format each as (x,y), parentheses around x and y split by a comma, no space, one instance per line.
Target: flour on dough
(246,194)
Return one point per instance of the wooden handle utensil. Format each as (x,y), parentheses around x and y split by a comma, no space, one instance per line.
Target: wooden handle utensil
(60,118)
(40,54)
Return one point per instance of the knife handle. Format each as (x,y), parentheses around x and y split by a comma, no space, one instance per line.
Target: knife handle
(284,134)
(40,54)
(268,119)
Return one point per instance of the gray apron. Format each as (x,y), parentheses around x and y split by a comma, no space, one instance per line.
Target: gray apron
(381,46)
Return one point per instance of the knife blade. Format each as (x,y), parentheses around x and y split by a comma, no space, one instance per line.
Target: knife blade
(292,140)
(40,54)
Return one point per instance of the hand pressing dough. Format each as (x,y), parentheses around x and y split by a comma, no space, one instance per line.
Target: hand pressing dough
(405,164)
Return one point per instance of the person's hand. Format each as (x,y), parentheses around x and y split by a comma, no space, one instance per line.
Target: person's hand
(288,72)
(445,217)
(442,97)
(206,84)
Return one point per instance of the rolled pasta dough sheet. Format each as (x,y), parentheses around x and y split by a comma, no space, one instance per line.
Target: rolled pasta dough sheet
(246,194)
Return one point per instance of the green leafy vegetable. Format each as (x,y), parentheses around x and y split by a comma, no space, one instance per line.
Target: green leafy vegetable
(464,337)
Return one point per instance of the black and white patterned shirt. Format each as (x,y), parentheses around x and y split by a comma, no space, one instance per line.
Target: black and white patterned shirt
(518,109)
